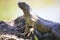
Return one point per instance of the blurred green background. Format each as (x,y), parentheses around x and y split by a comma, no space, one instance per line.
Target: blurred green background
(8,9)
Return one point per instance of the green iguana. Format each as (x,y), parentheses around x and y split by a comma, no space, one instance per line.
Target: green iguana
(27,16)
(35,21)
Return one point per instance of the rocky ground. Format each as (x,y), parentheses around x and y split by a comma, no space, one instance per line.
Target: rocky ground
(8,32)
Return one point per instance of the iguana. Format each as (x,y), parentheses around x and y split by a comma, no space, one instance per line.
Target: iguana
(27,16)
(35,21)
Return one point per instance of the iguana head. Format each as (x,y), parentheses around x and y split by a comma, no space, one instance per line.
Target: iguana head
(24,6)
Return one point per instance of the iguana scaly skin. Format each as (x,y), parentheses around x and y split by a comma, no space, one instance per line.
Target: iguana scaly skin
(27,16)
